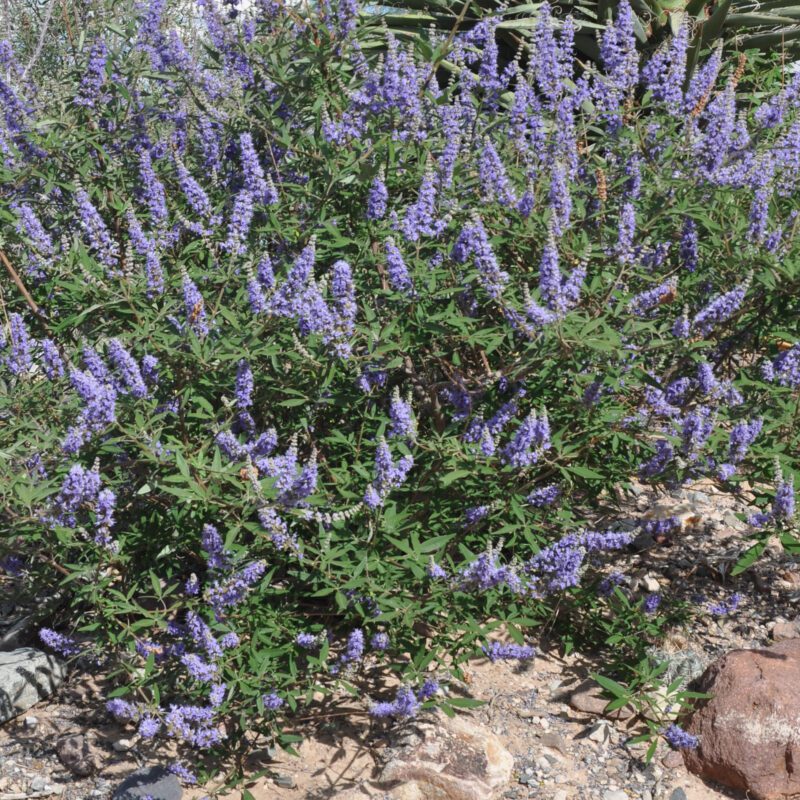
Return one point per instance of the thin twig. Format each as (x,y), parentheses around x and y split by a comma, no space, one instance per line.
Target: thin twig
(21,286)
(37,52)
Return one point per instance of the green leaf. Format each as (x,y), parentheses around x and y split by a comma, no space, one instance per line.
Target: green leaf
(750,556)
(611,686)
(585,472)
(450,477)
(465,702)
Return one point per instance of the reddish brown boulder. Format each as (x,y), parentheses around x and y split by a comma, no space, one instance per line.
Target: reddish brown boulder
(749,730)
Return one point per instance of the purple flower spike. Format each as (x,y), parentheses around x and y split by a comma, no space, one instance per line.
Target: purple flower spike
(680,739)
(497,651)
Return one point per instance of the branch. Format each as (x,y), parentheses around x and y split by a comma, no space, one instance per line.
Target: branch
(40,43)
(21,286)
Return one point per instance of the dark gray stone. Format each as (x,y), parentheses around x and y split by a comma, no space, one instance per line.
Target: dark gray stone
(78,754)
(26,677)
(14,632)
(158,782)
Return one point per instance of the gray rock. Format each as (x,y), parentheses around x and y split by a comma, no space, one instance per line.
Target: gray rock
(600,732)
(78,755)
(14,632)
(38,784)
(698,497)
(157,782)
(678,794)
(730,519)
(588,697)
(284,781)
(122,745)
(783,630)
(649,583)
(26,677)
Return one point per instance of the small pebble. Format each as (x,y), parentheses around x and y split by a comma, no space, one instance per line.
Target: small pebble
(122,745)
(284,781)
(600,732)
(678,794)
(615,794)
(31,723)
(650,583)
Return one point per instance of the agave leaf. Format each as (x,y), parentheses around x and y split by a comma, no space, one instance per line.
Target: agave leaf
(695,7)
(410,19)
(772,39)
(523,8)
(711,30)
(740,21)
(640,30)
(588,46)
(767,5)
(707,32)
(532,22)
(422,5)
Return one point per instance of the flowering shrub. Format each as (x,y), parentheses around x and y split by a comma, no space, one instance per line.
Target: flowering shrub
(313,365)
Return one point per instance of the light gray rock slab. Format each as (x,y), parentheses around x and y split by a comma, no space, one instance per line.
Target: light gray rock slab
(27,676)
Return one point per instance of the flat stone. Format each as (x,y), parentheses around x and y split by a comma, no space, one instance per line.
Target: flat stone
(783,630)
(78,755)
(749,729)
(555,742)
(650,583)
(27,676)
(448,759)
(732,521)
(697,497)
(123,745)
(678,794)
(588,697)
(158,782)
(615,794)
(600,732)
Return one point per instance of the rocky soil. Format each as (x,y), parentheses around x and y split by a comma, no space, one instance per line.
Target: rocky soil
(560,746)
